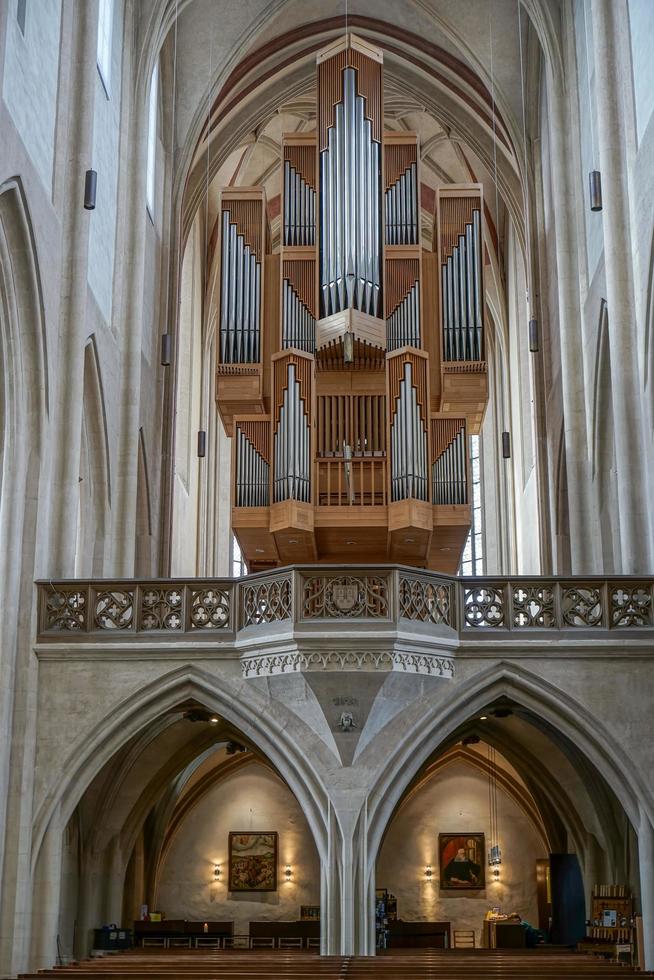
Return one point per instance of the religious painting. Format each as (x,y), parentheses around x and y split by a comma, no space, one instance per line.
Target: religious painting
(253,862)
(462,861)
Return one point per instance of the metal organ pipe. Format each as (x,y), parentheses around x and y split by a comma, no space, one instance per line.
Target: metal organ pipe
(252,474)
(291,445)
(240,298)
(449,474)
(461,299)
(408,444)
(350,256)
(401,209)
(298,325)
(403,325)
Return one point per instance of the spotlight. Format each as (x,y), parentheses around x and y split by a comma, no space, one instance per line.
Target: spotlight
(90,189)
(166,349)
(213,720)
(595,188)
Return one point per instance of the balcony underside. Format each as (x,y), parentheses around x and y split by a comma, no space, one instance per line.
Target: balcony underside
(411,532)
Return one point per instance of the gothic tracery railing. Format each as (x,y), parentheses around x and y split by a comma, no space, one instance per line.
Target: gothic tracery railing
(471,607)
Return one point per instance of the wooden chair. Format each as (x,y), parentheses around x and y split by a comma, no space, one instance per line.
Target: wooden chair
(464,939)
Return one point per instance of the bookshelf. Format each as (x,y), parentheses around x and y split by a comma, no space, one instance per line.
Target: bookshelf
(611,927)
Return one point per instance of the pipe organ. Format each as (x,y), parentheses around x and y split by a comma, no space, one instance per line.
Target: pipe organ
(351,362)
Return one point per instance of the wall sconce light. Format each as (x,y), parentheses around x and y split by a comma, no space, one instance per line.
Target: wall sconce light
(428,872)
(202,443)
(595,188)
(166,349)
(216,873)
(496,874)
(90,189)
(288,872)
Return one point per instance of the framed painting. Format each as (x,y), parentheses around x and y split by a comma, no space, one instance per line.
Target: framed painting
(253,861)
(462,861)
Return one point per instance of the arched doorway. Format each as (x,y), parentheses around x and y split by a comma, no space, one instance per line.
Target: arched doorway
(179,765)
(563,790)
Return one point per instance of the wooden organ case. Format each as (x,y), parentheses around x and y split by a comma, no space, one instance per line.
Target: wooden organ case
(351,368)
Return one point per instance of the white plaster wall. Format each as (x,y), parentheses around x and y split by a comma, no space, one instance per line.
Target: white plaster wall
(30,80)
(106,144)
(454,800)
(253,799)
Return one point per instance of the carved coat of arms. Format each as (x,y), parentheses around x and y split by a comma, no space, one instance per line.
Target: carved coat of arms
(345,596)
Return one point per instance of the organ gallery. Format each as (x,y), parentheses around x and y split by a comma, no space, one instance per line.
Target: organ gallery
(351,363)
(326,455)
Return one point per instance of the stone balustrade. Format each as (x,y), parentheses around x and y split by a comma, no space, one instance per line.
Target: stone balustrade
(386,596)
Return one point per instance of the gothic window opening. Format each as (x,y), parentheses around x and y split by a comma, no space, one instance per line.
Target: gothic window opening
(152,141)
(105,32)
(472,562)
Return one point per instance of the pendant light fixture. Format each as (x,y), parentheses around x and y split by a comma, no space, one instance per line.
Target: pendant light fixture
(494,850)
(202,434)
(594,176)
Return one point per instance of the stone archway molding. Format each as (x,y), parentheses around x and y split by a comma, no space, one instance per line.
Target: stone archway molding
(554,705)
(247,711)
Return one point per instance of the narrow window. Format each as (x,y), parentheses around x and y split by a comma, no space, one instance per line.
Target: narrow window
(238,563)
(21,15)
(105,31)
(152,140)
(472,562)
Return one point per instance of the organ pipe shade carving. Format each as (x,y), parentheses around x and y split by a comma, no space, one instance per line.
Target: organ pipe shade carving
(350,194)
(240,298)
(449,470)
(252,474)
(292,444)
(299,209)
(408,443)
(298,325)
(403,325)
(461,294)
(402,209)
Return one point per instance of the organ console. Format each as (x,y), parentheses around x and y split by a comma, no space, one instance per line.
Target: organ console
(351,364)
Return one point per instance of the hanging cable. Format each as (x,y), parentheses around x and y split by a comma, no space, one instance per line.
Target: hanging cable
(534,345)
(594,176)
(167,338)
(202,435)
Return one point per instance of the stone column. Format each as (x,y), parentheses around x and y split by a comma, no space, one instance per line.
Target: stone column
(646,865)
(69,366)
(130,328)
(572,367)
(625,375)
(347,887)
(45,898)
